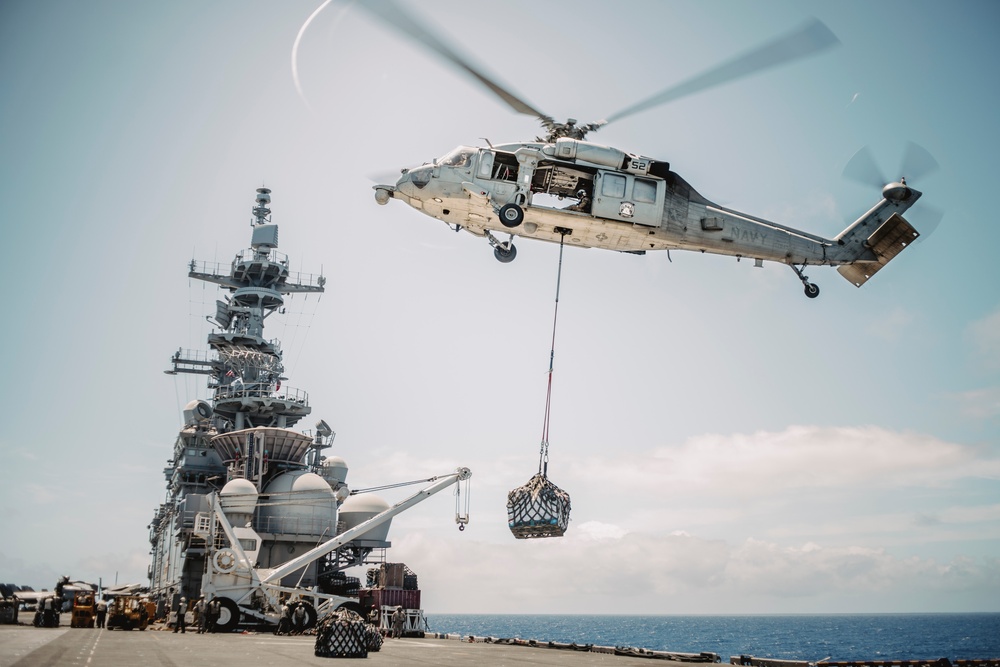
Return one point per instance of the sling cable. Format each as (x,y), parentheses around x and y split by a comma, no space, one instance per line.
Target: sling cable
(540,508)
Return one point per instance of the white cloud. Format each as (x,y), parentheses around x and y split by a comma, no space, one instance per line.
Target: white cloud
(892,325)
(977,522)
(985,513)
(985,337)
(40,494)
(601,531)
(800,457)
(980,403)
(646,573)
(763,568)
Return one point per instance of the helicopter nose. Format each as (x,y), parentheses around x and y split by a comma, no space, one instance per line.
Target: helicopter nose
(405,186)
(415,179)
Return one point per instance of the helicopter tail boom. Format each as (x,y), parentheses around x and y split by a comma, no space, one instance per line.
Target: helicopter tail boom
(890,239)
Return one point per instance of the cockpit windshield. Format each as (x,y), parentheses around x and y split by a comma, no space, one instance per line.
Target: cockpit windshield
(460,157)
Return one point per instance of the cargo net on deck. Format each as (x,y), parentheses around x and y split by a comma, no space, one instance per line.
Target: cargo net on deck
(344,634)
(538,509)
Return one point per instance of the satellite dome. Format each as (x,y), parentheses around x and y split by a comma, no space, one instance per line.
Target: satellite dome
(334,470)
(299,502)
(238,496)
(299,482)
(359,508)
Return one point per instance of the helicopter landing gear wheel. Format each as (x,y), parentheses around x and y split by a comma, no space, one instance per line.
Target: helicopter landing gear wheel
(505,252)
(811,289)
(511,215)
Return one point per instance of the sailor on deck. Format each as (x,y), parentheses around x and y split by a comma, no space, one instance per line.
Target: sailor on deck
(398,621)
(181,622)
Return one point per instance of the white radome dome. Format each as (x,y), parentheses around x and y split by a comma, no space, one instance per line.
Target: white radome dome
(359,508)
(301,502)
(238,496)
(334,470)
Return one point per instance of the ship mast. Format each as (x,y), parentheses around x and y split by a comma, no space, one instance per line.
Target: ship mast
(249,390)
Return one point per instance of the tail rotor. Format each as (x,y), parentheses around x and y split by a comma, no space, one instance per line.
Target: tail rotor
(917,163)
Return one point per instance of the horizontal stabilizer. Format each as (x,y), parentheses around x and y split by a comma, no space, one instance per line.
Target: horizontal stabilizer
(890,239)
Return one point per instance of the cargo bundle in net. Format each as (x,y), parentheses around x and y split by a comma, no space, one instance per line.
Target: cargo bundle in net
(538,509)
(343,634)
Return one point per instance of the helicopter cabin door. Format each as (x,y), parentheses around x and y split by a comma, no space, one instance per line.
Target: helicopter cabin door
(628,198)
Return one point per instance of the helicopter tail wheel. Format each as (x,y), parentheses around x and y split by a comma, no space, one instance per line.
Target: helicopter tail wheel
(811,289)
(511,215)
(505,252)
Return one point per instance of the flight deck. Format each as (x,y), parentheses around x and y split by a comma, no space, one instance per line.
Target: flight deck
(27,646)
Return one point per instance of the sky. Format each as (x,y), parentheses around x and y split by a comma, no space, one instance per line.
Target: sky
(729,445)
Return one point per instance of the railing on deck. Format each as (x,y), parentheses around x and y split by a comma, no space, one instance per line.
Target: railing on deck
(312,527)
(297,278)
(289,394)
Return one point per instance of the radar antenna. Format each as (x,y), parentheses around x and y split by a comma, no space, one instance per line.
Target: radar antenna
(261,213)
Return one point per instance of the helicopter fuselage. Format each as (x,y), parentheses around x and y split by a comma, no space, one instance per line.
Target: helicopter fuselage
(628,203)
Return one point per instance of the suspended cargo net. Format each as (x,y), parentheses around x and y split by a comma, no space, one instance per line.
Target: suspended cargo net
(342,634)
(538,509)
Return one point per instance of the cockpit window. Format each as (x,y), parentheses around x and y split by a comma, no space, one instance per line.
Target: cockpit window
(460,157)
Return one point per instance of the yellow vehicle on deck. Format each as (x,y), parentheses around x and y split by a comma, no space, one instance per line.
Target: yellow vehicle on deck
(128,612)
(83,610)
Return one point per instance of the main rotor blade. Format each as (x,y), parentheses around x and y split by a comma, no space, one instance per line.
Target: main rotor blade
(862,169)
(811,38)
(391,13)
(917,162)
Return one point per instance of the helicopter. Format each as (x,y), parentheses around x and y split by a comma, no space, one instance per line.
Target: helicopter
(632,203)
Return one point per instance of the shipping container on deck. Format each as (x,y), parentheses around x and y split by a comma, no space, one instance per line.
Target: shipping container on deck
(389,597)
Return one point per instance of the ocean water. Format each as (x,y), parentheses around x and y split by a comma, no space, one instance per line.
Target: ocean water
(810,637)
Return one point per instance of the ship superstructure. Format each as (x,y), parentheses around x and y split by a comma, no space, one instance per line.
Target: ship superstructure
(248,497)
